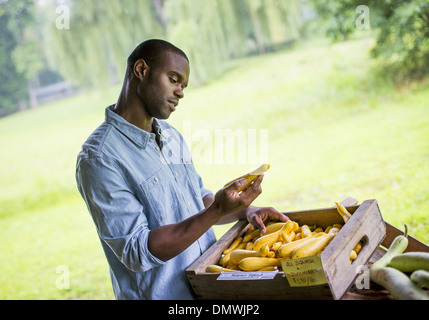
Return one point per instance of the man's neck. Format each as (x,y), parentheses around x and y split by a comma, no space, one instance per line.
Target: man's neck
(130,109)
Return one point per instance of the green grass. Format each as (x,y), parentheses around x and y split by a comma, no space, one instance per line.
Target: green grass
(335,130)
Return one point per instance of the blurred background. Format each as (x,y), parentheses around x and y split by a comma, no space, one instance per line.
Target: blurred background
(339,87)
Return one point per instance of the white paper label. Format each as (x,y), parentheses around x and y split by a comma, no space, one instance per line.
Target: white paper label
(252,275)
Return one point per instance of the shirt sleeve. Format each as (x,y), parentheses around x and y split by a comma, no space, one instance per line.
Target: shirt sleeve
(118,216)
(204,191)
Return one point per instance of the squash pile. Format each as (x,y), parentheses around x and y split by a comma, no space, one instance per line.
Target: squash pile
(282,240)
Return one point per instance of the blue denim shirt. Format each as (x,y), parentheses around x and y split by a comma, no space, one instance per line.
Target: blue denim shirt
(131,186)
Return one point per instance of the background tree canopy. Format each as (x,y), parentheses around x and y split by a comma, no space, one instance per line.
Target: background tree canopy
(88,43)
(209,31)
(15,17)
(402,32)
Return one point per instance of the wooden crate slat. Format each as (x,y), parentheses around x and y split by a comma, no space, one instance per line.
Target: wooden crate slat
(367,223)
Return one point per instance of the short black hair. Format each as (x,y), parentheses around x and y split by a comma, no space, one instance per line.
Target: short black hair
(150,51)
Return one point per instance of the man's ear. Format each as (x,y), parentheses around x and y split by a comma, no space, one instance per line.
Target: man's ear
(141,69)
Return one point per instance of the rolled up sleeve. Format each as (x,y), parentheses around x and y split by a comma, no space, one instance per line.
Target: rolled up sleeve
(204,190)
(118,216)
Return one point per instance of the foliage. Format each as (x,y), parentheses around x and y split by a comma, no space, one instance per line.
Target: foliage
(337,18)
(403,38)
(13,17)
(402,32)
(23,57)
(94,49)
(91,48)
(13,83)
(99,38)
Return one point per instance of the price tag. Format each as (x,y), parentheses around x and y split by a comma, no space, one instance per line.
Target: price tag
(262,275)
(303,272)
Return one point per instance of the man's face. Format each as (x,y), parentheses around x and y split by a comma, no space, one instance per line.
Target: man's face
(164,87)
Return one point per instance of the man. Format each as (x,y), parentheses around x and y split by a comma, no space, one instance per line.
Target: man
(149,205)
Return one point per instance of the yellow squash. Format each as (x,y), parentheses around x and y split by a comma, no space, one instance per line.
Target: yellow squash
(271,254)
(233,245)
(343,212)
(305,231)
(314,246)
(358,247)
(213,268)
(253,264)
(271,268)
(271,238)
(238,255)
(295,226)
(251,236)
(251,176)
(241,246)
(288,237)
(277,226)
(276,245)
(333,230)
(353,255)
(225,259)
(286,250)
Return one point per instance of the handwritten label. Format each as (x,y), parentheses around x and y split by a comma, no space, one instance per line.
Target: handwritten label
(303,272)
(265,275)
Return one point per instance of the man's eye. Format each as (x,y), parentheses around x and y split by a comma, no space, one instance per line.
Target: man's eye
(173,80)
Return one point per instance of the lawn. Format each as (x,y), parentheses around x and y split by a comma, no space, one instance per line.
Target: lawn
(327,125)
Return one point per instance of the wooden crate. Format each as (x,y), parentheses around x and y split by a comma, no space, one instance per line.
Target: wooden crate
(375,291)
(366,223)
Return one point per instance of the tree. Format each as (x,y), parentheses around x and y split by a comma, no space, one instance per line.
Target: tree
(196,27)
(401,27)
(403,38)
(93,50)
(12,83)
(337,18)
(102,34)
(20,54)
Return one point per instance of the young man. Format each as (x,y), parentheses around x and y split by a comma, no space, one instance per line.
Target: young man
(149,205)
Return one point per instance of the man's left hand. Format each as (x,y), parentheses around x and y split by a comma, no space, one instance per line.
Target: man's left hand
(257,216)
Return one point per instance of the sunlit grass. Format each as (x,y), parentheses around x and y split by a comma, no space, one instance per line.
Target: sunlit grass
(36,243)
(335,130)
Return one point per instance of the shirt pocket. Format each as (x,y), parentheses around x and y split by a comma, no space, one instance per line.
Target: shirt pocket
(161,197)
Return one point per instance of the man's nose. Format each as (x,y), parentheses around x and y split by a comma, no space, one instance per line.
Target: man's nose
(179,93)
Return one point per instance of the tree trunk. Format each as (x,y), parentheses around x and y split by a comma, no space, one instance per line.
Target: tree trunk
(32,95)
(158,4)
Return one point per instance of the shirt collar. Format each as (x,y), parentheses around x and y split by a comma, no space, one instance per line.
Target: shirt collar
(134,133)
(162,134)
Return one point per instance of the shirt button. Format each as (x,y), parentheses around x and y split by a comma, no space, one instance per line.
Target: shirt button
(188,203)
(177,174)
(156,179)
(157,148)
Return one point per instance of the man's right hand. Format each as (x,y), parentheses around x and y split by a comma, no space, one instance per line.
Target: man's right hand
(228,200)
(165,242)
